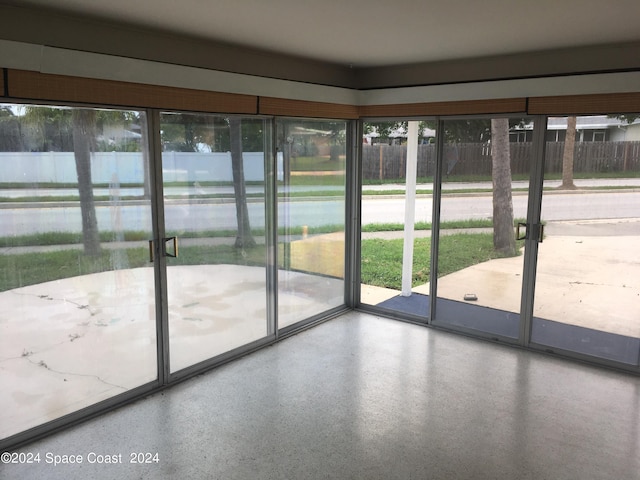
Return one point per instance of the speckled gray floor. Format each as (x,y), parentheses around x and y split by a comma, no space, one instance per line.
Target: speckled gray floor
(368,398)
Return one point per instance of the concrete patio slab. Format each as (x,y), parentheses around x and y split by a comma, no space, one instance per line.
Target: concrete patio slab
(584,278)
(70,343)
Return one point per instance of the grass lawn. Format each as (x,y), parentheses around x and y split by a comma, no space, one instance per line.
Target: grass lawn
(450,225)
(382,259)
(66,238)
(33,268)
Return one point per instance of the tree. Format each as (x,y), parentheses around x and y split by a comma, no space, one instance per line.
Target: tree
(503,237)
(62,129)
(206,133)
(84,126)
(384,129)
(387,130)
(50,128)
(10,131)
(567,155)
(626,117)
(47,129)
(480,130)
(468,131)
(244,238)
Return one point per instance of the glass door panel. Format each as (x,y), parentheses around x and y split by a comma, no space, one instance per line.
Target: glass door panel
(77,323)
(214,199)
(392,254)
(311,169)
(587,294)
(486,165)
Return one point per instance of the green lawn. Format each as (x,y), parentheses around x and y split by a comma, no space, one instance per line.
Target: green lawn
(33,268)
(66,238)
(382,259)
(450,225)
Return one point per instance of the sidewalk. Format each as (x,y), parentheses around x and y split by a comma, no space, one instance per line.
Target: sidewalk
(194,190)
(580,183)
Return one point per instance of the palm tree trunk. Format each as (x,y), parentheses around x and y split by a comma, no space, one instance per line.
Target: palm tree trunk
(567,156)
(503,235)
(244,238)
(84,122)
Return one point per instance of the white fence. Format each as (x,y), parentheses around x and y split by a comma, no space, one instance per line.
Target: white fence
(60,167)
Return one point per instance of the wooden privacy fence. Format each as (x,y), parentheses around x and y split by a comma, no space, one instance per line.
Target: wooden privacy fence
(387,162)
(596,157)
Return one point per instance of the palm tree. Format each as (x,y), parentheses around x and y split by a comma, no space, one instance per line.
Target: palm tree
(503,237)
(56,129)
(244,238)
(84,127)
(567,155)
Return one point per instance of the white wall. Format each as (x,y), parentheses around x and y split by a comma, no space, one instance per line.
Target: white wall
(633,133)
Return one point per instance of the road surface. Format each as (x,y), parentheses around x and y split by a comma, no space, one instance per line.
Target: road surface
(183,215)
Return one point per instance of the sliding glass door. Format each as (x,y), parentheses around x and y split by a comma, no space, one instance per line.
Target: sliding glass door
(486,163)
(78,316)
(398,167)
(537,228)
(213,170)
(128,261)
(587,292)
(311,203)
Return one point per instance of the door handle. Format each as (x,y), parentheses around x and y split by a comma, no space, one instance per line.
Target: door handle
(164,252)
(175,247)
(523,237)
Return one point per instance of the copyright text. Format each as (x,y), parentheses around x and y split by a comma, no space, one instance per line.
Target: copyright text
(55,459)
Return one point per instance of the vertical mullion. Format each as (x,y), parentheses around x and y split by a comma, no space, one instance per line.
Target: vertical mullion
(271,227)
(353,226)
(435,219)
(160,263)
(534,209)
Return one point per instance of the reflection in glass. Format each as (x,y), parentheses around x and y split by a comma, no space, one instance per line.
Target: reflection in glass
(77,323)
(486,164)
(311,217)
(587,296)
(214,188)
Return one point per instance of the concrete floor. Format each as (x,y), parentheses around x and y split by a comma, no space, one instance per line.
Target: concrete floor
(98,327)
(372,398)
(88,356)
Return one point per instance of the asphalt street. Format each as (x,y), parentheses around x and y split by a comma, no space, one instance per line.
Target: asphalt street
(188,214)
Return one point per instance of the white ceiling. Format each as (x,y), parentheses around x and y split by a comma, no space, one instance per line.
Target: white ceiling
(366,33)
